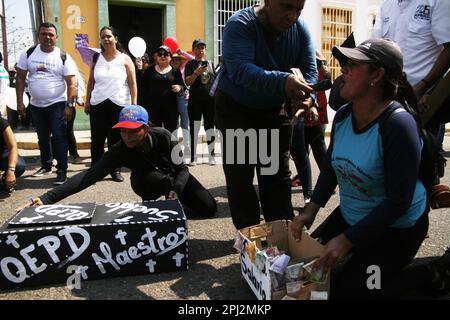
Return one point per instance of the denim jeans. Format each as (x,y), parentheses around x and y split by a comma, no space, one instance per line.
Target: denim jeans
(300,155)
(315,138)
(182,105)
(50,122)
(20,165)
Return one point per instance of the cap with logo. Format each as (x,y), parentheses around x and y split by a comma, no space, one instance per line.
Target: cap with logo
(145,57)
(382,51)
(132,117)
(164,48)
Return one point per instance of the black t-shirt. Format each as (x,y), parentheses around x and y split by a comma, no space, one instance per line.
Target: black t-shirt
(156,154)
(199,90)
(3,125)
(158,87)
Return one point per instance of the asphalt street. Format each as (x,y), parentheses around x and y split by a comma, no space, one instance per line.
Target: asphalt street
(214,269)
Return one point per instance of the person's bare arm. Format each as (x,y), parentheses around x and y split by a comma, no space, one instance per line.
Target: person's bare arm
(439,68)
(71,82)
(11,143)
(131,75)
(191,78)
(90,87)
(21,76)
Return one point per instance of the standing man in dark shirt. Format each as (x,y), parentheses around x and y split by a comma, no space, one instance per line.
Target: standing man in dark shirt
(199,76)
(148,153)
(260,46)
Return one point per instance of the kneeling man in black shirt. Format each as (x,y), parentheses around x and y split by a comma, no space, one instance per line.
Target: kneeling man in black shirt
(156,167)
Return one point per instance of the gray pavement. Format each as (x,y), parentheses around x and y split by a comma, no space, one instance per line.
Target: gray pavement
(214,269)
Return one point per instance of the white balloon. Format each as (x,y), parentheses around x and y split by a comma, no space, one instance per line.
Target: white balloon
(137,46)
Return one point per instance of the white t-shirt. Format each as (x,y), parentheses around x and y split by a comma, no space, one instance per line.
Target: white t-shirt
(46,74)
(111,81)
(419,27)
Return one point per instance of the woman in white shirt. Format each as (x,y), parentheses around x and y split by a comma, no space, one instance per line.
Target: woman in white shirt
(111,86)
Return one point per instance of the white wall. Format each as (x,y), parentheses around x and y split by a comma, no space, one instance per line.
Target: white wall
(363,12)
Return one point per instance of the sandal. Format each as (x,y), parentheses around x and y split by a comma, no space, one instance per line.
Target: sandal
(296,182)
(440,197)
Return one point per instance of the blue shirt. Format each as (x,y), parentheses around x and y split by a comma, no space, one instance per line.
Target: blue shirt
(256,64)
(377,173)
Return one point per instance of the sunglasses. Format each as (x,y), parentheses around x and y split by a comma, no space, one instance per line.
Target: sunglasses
(165,54)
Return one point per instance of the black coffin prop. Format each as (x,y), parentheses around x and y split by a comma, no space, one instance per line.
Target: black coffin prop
(78,242)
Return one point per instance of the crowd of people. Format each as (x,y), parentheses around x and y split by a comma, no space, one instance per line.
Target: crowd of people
(265,86)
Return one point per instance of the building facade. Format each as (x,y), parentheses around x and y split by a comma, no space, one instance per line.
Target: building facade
(330,22)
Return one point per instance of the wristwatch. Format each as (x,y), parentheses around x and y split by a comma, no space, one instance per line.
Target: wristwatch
(12,169)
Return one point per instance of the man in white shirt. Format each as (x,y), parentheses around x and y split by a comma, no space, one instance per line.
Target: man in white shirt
(51,83)
(422,30)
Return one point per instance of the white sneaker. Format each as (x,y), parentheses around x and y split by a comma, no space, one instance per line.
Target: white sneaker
(307,200)
(42,172)
(212,161)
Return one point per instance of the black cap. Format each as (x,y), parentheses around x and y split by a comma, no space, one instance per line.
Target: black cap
(198,42)
(145,57)
(382,51)
(164,48)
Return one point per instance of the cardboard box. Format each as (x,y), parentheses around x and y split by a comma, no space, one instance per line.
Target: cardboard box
(72,243)
(277,233)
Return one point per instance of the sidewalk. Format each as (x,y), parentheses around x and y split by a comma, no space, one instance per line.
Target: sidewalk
(27,140)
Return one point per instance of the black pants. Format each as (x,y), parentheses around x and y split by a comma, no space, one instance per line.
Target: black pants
(196,200)
(274,189)
(103,117)
(197,109)
(442,115)
(392,252)
(315,138)
(164,113)
(71,140)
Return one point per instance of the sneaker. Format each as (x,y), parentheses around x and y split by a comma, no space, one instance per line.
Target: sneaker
(61,177)
(307,200)
(440,269)
(42,172)
(77,160)
(117,177)
(192,163)
(212,161)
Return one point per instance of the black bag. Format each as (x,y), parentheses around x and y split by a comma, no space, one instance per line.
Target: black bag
(432,162)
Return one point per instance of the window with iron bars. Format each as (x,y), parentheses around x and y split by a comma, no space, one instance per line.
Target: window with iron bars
(223,10)
(336,27)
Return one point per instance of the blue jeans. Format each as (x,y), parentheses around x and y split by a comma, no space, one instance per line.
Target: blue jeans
(300,155)
(20,165)
(182,105)
(50,122)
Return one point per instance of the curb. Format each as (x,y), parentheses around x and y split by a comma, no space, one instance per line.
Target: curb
(35,146)
(81,145)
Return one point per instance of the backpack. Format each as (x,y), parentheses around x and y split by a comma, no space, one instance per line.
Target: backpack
(95,59)
(432,162)
(63,54)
